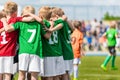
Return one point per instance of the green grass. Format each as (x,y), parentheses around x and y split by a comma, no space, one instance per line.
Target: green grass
(90,69)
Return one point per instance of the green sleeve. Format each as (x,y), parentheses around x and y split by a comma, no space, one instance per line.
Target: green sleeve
(43,32)
(16,25)
(59,21)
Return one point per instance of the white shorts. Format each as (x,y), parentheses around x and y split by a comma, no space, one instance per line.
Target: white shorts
(53,66)
(68,65)
(118,42)
(29,62)
(15,68)
(6,65)
(76,61)
(41,66)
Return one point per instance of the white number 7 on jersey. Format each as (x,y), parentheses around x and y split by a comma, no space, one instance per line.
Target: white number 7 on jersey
(33,31)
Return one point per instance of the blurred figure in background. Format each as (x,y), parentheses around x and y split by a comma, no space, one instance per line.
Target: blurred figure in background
(89,40)
(118,38)
(111,35)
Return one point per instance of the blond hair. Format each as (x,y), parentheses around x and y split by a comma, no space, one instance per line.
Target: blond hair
(77,24)
(45,12)
(113,24)
(28,9)
(57,11)
(10,7)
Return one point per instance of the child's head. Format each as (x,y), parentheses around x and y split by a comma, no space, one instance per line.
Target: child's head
(28,9)
(45,12)
(113,24)
(77,24)
(11,8)
(57,12)
(2,14)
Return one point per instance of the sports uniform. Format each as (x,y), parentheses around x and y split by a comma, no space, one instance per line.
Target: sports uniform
(76,44)
(111,39)
(77,40)
(111,42)
(30,45)
(8,47)
(52,52)
(66,45)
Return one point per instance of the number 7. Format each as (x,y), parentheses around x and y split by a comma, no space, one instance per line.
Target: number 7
(33,31)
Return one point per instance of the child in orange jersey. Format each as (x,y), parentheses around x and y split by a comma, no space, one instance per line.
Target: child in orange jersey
(77,40)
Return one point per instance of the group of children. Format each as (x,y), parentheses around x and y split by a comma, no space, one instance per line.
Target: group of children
(46,43)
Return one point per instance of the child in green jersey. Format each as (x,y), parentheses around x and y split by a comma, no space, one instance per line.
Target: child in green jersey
(64,34)
(51,48)
(111,35)
(30,43)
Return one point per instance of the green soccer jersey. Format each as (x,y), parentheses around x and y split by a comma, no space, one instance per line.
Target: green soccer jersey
(51,47)
(65,40)
(111,39)
(29,37)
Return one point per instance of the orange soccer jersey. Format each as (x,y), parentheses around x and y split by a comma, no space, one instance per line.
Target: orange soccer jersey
(77,40)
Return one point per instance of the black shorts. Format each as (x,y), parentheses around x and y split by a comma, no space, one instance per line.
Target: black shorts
(16,58)
(112,49)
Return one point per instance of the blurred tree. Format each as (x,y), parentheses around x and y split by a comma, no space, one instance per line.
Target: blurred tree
(107,16)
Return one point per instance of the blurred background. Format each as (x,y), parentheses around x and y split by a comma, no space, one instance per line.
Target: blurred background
(76,9)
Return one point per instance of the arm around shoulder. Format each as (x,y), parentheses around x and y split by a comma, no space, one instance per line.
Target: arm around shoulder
(7,27)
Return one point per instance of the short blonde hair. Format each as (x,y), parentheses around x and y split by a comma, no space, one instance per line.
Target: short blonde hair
(45,12)
(113,24)
(28,9)
(77,24)
(10,7)
(57,11)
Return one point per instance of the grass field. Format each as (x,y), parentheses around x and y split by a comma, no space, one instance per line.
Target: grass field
(90,69)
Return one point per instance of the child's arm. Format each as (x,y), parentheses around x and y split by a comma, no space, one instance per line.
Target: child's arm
(47,35)
(28,19)
(57,27)
(71,25)
(116,35)
(81,45)
(36,18)
(69,22)
(7,27)
(82,50)
(1,30)
(104,35)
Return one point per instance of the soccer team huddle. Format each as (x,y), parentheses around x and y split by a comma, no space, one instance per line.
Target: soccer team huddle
(47,44)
